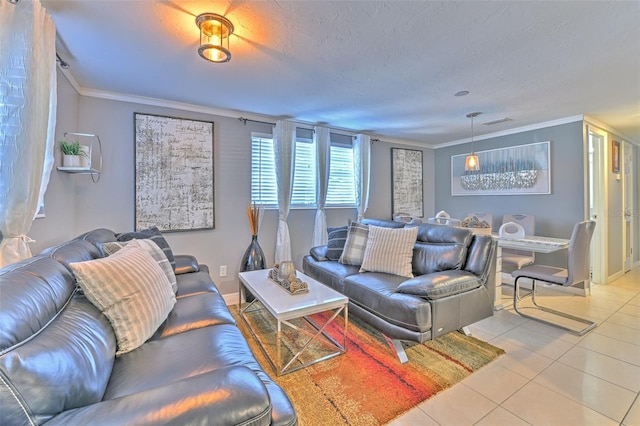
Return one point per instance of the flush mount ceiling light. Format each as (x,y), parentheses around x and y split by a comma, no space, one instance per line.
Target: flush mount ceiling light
(214,37)
(472,163)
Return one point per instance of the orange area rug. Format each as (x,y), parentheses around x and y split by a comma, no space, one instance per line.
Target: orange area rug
(367,385)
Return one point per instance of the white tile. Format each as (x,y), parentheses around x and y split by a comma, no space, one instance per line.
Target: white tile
(603,366)
(521,360)
(499,417)
(590,391)
(620,332)
(630,309)
(540,406)
(552,331)
(495,382)
(413,417)
(494,326)
(541,343)
(457,406)
(633,416)
(624,319)
(617,349)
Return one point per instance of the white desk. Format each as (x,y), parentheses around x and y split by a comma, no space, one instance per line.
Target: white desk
(529,243)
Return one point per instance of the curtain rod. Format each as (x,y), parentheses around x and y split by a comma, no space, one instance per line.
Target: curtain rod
(244,121)
(63,64)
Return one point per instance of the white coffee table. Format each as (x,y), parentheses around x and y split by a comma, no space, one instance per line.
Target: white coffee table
(285,307)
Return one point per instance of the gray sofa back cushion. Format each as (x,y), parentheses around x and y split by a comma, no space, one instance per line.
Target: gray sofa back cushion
(56,349)
(440,248)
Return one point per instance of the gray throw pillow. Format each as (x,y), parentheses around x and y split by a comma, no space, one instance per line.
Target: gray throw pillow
(337,239)
(356,243)
(154,235)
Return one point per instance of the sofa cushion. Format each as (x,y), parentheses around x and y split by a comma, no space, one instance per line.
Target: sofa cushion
(131,290)
(389,250)
(440,284)
(154,235)
(355,245)
(152,248)
(336,242)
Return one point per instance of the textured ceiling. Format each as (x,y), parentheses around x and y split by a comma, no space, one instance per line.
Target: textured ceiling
(389,68)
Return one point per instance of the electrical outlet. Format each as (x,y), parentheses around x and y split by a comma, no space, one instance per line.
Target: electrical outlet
(223,270)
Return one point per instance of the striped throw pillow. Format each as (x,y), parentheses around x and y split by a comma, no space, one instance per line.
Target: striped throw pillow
(131,290)
(353,251)
(390,250)
(113,246)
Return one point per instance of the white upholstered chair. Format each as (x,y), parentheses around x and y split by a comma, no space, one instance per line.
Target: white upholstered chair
(516,259)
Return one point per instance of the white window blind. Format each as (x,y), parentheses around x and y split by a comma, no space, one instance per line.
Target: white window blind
(341,190)
(304,174)
(263,172)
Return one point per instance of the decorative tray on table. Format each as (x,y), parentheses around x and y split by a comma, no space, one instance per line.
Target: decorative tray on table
(282,275)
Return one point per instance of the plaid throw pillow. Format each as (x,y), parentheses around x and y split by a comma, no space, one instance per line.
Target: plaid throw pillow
(155,235)
(355,245)
(337,239)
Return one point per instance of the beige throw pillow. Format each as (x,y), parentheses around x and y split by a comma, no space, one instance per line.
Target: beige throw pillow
(131,290)
(390,250)
(156,252)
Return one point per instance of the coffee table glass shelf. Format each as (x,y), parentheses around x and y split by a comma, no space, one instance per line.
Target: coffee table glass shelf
(303,340)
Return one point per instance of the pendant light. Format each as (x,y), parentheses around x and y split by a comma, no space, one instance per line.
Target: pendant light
(472,163)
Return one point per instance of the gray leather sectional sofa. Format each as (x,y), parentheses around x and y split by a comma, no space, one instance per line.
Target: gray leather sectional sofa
(58,363)
(453,285)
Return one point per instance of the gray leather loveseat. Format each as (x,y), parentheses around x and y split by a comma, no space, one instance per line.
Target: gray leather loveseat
(453,285)
(58,364)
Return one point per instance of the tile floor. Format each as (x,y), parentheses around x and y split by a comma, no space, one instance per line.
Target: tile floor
(548,376)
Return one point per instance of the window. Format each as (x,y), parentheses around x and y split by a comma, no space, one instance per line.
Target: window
(341,190)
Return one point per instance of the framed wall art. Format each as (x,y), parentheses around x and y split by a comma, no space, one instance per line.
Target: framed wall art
(173,173)
(406,182)
(615,156)
(515,170)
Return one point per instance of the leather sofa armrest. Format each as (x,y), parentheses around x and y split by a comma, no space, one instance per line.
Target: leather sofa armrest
(319,253)
(439,285)
(233,395)
(185,264)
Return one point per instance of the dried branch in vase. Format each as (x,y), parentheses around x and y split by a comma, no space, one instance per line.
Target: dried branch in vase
(254,213)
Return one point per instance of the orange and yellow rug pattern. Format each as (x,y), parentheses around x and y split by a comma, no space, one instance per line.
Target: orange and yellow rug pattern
(367,385)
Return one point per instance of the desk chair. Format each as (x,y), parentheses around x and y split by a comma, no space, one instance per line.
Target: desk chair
(482,216)
(516,259)
(576,272)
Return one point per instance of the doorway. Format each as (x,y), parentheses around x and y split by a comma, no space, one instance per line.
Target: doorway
(597,195)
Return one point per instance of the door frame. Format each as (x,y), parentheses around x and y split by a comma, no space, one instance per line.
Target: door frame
(598,197)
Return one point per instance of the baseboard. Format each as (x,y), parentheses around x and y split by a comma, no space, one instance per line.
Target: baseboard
(231,299)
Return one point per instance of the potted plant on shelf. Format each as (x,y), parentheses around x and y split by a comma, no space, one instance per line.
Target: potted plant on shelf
(73,154)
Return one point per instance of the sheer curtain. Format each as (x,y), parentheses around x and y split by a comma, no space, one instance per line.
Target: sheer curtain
(323,148)
(284,147)
(362,164)
(27,120)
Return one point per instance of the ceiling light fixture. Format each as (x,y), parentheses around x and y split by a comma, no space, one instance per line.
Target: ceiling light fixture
(214,37)
(472,163)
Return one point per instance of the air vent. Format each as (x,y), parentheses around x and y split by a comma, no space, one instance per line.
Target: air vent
(500,120)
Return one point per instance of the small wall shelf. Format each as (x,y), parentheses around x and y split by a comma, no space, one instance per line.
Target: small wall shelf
(91,169)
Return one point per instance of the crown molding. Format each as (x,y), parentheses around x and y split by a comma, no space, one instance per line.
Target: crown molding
(507,132)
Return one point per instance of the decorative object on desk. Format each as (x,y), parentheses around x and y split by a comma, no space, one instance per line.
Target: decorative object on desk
(72,153)
(284,274)
(522,169)
(477,226)
(511,230)
(253,258)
